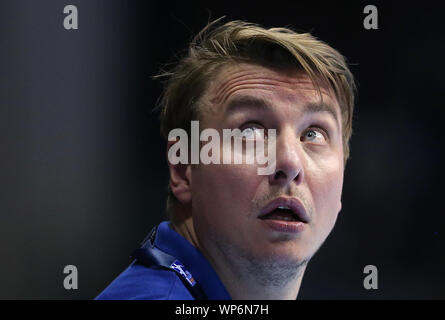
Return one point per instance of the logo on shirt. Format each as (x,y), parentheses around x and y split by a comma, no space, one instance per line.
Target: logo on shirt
(178,267)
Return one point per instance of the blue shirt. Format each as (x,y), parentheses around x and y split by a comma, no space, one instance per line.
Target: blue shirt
(139,282)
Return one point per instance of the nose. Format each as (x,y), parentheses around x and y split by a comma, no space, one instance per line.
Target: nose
(289,160)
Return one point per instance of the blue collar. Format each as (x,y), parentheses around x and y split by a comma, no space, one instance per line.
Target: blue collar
(193,260)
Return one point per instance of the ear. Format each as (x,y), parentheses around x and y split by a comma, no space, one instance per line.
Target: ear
(180,178)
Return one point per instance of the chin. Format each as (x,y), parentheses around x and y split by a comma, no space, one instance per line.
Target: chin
(284,252)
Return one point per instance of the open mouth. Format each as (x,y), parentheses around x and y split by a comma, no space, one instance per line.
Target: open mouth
(282,213)
(284,209)
(285,215)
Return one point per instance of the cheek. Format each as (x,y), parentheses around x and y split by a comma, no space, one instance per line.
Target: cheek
(221,194)
(326,184)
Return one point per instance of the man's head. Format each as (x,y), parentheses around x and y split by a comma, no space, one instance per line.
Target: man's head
(240,75)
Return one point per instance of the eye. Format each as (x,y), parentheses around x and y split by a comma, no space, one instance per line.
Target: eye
(252,132)
(248,132)
(315,135)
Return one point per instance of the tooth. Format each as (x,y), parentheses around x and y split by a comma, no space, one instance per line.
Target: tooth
(282,207)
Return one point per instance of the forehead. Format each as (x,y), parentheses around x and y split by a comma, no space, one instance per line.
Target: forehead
(252,79)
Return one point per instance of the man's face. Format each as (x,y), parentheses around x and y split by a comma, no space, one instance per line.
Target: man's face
(228,199)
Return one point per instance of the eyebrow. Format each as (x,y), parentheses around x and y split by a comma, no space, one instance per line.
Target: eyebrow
(249,102)
(320,106)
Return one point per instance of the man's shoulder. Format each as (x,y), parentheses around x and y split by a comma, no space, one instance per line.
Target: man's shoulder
(139,282)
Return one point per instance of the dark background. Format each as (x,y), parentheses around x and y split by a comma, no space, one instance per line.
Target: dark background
(83,174)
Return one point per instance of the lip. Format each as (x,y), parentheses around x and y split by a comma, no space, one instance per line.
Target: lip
(284,226)
(293,203)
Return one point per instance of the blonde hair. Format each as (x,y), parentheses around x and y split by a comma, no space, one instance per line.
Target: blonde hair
(239,41)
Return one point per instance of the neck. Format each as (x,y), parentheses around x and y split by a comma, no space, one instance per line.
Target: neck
(182,223)
(243,279)
(258,280)
(238,290)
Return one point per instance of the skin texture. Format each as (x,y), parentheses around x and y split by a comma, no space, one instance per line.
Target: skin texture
(219,204)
